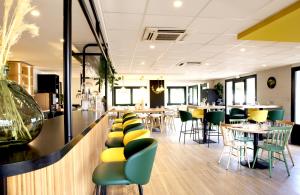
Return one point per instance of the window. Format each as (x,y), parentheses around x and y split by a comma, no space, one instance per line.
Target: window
(193,95)
(241,90)
(128,96)
(296,95)
(176,95)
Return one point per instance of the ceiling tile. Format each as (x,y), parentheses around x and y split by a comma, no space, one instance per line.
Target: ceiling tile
(167,21)
(232,8)
(165,7)
(128,6)
(211,25)
(121,21)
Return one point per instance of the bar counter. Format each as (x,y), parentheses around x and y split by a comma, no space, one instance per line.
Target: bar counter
(27,166)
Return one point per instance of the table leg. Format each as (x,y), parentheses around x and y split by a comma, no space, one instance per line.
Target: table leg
(3,187)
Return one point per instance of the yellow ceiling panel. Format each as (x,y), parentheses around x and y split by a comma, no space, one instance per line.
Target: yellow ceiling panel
(283,26)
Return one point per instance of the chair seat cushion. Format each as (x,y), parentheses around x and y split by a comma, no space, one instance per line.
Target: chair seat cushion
(110,174)
(117,126)
(118,120)
(114,142)
(113,155)
(116,134)
(271,147)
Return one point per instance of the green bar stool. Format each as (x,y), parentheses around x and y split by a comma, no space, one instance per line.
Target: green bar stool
(275,115)
(214,118)
(137,169)
(185,116)
(236,113)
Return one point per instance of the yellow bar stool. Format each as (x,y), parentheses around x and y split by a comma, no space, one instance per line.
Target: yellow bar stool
(198,114)
(117,154)
(259,116)
(127,125)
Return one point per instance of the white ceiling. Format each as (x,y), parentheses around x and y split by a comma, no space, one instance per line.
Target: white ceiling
(212,26)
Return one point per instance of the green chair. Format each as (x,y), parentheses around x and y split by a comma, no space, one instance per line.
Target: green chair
(236,113)
(185,117)
(137,169)
(239,136)
(214,118)
(275,115)
(277,139)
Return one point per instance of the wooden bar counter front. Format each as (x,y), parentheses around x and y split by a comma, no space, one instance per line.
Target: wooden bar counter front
(74,162)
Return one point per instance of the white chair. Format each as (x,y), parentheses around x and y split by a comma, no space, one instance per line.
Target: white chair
(232,144)
(145,119)
(169,117)
(156,121)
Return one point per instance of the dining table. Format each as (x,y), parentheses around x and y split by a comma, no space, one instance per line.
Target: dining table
(206,108)
(255,130)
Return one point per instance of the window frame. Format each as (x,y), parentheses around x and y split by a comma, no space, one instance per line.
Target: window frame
(169,97)
(192,95)
(241,79)
(131,94)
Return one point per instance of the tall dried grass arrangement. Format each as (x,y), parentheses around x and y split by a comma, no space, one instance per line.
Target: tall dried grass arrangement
(14,12)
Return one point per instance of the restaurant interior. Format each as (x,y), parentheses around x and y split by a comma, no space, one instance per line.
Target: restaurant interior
(149,97)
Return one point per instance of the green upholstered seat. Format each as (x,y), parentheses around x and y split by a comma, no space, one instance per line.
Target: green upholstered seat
(137,169)
(110,174)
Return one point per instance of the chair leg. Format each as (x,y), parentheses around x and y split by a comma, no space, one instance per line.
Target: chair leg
(229,158)
(184,133)
(270,154)
(290,154)
(221,155)
(97,190)
(255,158)
(180,132)
(140,189)
(246,155)
(286,166)
(103,190)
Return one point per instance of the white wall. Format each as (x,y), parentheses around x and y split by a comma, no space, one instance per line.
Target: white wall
(280,95)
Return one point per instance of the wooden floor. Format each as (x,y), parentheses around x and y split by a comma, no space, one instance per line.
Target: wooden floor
(193,169)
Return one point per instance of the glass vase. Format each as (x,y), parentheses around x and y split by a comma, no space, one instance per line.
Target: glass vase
(21,119)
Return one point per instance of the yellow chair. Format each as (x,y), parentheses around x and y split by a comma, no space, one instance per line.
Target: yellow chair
(125,126)
(119,126)
(125,116)
(250,110)
(117,154)
(198,113)
(259,116)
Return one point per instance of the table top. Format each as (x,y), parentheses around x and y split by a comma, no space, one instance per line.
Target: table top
(254,106)
(249,128)
(207,107)
(145,110)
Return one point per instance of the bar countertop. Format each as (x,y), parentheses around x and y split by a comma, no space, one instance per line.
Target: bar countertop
(49,147)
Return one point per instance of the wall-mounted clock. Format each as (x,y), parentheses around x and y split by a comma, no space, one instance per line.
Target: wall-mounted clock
(271,82)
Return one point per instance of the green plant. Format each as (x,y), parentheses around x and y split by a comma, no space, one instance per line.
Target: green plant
(111,73)
(219,88)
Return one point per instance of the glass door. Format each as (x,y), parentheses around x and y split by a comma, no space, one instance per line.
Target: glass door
(239,92)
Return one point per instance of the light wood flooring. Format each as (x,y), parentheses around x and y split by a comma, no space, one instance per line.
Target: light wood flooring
(193,169)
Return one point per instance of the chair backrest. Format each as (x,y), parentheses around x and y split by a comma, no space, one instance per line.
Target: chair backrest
(185,116)
(284,123)
(133,127)
(129,117)
(234,111)
(137,134)
(250,110)
(215,117)
(274,115)
(198,113)
(279,136)
(227,134)
(140,156)
(259,116)
(127,114)
(238,121)
(131,121)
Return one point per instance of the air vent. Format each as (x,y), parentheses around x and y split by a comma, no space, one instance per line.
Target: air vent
(163,34)
(189,64)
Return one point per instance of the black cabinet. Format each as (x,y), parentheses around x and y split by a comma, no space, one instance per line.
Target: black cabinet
(48,83)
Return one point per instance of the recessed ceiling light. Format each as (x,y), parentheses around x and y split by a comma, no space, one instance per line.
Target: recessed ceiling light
(237,76)
(35,13)
(264,65)
(152,46)
(206,64)
(177,3)
(61,40)
(242,49)
(142,63)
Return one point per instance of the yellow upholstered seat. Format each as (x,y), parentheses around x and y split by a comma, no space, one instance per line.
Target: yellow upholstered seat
(259,116)
(250,110)
(198,113)
(125,125)
(118,120)
(117,154)
(115,134)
